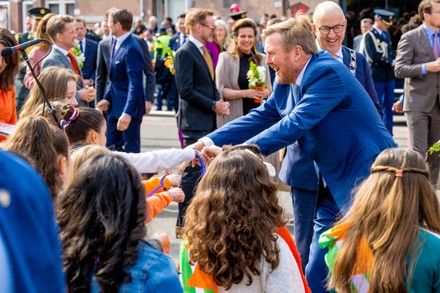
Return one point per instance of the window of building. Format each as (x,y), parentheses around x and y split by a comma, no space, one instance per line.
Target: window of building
(62,6)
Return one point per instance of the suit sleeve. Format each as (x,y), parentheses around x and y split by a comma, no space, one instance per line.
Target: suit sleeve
(149,73)
(245,127)
(135,83)
(101,73)
(323,92)
(404,66)
(184,66)
(369,85)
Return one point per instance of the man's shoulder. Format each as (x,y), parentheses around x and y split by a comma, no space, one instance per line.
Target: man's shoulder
(91,43)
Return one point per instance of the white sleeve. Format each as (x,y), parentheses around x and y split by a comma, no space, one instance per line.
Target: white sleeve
(286,277)
(207,141)
(155,161)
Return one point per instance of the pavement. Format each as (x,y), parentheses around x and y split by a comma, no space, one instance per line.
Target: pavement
(159,131)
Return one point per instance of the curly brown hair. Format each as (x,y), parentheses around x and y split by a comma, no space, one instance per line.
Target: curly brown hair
(101,222)
(232,218)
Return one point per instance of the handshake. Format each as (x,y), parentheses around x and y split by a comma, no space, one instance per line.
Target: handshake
(221,108)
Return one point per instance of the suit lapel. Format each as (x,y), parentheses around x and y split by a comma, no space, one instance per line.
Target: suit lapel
(345,56)
(192,47)
(423,39)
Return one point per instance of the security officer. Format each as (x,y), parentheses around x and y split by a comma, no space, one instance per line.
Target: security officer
(379,52)
(37,13)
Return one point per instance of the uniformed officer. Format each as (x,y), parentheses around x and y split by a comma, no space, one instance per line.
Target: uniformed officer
(379,52)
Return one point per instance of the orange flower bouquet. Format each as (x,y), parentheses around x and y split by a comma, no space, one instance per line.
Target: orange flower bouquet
(169,60)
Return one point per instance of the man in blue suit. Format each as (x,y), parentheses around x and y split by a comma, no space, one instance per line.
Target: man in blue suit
(90,50)
(124,98)
(318,103)
(329,26)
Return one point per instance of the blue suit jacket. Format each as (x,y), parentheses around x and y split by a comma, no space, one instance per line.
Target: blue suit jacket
(89,66)
(334,122)
(125,91)
(175,42)
(301,173)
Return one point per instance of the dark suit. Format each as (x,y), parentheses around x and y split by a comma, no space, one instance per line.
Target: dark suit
(422,93)
(173,96)
(379,52)
(58,59)
(102,66)
(91,54)
(196,118)
(335,124)
(301,175)
(125,94)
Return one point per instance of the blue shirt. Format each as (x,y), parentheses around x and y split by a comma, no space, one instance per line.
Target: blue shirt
(152,272)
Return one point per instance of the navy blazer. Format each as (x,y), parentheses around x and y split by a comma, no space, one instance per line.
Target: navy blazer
(196,88)
(301,172)
(89,65)
(125,91)
(175,43)
(334,122)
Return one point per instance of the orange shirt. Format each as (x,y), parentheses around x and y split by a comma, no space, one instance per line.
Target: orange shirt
(8,113)
(158,201)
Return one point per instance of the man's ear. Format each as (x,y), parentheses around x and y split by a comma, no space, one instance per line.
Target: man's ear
(314,28)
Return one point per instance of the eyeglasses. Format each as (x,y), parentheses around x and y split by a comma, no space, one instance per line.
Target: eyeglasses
(212,27)
(326,29)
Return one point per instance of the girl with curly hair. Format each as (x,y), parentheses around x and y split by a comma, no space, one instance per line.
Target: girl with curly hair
(389,239)
(230,230)
(101,221)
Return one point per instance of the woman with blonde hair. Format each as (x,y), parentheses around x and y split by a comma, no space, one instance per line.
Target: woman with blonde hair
(60,85)
(37,53)
(228,241)
(389,239)
(222,35)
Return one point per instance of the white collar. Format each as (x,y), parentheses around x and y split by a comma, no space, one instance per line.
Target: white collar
(299,79)
(65,52)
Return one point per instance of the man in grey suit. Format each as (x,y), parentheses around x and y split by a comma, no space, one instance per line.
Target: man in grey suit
(418,62)
(61,30)
(358,41)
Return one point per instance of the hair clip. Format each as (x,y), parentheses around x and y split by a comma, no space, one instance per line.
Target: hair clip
(399,173)
(66,122)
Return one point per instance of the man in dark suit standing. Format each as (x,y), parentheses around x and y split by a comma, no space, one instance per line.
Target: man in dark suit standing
(178,40)
(124,98)
(379,52)
(199,99)
(418,62)
(329,26)
(103,68)
(89,48)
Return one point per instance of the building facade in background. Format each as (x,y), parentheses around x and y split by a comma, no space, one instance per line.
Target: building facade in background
(14,12)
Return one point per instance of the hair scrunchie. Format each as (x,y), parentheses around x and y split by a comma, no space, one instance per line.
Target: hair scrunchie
(66,122)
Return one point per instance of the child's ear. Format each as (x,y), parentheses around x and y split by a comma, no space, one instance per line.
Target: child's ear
(92,137)
(62,163)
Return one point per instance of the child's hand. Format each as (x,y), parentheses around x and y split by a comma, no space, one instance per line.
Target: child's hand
(177,193)
(174,180)
(164,239)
